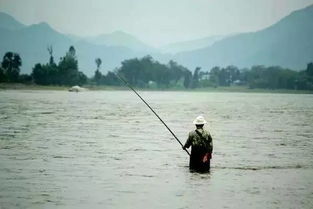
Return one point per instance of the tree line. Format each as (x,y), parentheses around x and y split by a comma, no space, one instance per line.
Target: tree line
(273,77)
(63,73)
(148,73)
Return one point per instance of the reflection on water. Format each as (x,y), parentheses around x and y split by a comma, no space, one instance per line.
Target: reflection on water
(106,150)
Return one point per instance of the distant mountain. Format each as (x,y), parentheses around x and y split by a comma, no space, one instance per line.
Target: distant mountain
(190,45)
(74,37)
(9,23)
(31,43)
(288,43)
(119,38)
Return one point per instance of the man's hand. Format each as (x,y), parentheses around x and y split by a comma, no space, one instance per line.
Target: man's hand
(207,157)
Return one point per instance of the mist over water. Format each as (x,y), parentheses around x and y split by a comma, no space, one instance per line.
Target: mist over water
(105,149)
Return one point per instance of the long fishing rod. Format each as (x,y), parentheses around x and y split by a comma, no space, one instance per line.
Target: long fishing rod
(129,86)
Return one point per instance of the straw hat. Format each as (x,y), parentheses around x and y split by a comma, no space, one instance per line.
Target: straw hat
(199,120)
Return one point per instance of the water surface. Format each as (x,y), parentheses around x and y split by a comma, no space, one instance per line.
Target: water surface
(105,149)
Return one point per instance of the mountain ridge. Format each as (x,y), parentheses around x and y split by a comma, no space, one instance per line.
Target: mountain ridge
(287,43)
(191,45)
(10,23)
(31,43)
(120,38)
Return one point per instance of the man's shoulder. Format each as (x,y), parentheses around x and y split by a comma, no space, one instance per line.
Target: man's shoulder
(206,132)
(203,132)
(192,133)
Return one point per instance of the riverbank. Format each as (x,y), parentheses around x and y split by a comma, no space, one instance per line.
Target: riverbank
(20,86)
(243,89)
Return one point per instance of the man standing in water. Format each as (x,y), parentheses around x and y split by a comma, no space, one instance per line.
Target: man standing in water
(201,144)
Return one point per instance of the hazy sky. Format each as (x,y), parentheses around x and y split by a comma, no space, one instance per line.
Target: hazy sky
(156,22)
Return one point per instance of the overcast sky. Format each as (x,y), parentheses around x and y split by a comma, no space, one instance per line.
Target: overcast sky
(155,22)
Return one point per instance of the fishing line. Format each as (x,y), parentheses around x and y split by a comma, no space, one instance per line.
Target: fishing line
(129,86)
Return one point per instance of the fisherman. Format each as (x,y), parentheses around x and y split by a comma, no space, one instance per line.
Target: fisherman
(201,144)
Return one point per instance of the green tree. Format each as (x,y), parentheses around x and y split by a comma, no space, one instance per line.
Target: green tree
(11,64)
(68,68)
(187,78)
(71,52)
(141,72)
(25,78)
(233,74)
(98,75)
(195,78)
(3,77)
(179,75)
(111,79)
(40,74)
(37,73)
(50,50)
(273,77)
(98,63)
(214,76)
(309,69)
(65,73)
(82,78)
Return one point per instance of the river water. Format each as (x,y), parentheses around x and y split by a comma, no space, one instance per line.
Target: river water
(105,149)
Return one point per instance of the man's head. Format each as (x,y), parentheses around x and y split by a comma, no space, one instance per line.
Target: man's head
(199,126)
(199,121)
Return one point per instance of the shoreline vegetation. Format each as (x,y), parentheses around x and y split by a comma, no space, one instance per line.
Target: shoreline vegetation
(228,89)
(147,74)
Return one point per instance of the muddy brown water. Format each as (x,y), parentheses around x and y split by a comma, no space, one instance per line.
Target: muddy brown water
(105,149)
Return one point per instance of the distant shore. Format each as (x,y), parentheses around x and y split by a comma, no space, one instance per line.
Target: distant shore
(243,89)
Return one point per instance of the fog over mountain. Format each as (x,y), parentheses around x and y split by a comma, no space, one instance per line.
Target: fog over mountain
(8,22)
(31,43)
(288,43)
(120,38)
(190,45)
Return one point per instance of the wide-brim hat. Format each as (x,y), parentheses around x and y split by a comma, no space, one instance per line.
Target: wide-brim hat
(199,120)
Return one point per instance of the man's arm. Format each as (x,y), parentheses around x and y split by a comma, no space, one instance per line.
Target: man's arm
(188,142)
(210,143)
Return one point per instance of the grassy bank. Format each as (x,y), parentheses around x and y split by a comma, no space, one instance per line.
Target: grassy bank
(244,89)
(19,86)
